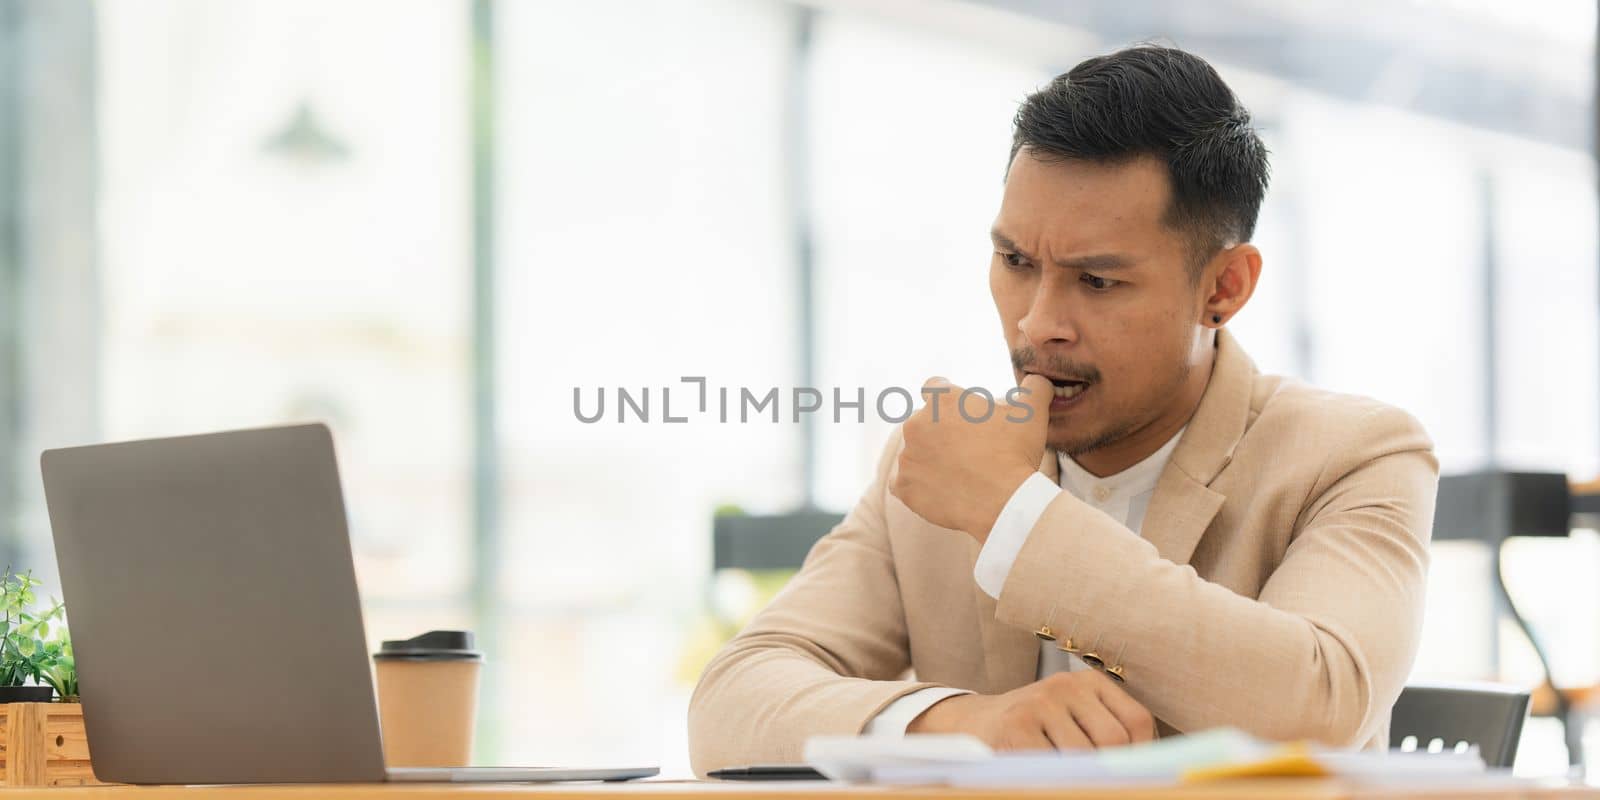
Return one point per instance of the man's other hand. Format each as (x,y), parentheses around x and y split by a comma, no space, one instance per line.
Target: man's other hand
(1066,711)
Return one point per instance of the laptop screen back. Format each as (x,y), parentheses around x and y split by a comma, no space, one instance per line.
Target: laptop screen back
(213,608)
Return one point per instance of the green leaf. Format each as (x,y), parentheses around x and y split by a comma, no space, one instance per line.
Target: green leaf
(31,647)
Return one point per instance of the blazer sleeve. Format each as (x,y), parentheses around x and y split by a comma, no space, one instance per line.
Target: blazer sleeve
(824,657)
(1325,649)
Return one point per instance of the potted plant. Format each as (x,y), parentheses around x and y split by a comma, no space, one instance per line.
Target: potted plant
(29,650)
(41,743)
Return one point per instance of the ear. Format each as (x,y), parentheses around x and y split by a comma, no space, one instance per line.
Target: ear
(1229,281)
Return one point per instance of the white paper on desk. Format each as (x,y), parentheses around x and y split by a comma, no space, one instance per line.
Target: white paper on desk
(1166,760)
(852,758)
(1399,765)
(1160,761)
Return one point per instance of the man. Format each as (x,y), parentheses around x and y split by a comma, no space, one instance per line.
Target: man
(1166,541)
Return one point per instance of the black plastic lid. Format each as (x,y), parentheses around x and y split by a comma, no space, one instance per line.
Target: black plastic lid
(431,646)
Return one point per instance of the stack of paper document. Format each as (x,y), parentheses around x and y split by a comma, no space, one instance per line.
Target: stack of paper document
(1220,753)
(856,758)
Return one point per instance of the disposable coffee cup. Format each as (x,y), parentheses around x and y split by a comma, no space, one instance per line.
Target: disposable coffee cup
(428,698)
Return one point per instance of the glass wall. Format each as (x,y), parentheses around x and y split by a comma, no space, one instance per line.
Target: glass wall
(643,239)
(284,228)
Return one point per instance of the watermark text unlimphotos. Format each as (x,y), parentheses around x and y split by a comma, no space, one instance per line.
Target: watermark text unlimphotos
(772,404)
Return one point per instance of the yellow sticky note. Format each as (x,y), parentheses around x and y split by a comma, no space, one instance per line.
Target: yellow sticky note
(1289,761)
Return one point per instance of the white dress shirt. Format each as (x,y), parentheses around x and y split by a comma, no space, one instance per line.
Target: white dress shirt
(1124,497)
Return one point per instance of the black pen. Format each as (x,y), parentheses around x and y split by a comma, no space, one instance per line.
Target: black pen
(771,772)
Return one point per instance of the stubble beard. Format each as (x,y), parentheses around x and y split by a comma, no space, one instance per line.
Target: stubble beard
(1075,444)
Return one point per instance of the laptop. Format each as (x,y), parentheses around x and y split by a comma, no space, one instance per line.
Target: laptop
(215,617)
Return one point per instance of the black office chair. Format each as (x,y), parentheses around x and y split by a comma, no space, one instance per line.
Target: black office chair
(1437,717)
(767,542)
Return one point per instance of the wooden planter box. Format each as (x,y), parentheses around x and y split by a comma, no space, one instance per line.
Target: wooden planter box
(43,744)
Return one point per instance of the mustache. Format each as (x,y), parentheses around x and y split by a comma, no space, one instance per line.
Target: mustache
(1027,359)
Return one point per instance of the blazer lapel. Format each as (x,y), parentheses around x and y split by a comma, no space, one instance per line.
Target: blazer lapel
(1180,511)
(1011,654)
(1184,504)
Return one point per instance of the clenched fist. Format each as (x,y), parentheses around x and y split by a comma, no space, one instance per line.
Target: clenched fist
(1066,711)
(966,453)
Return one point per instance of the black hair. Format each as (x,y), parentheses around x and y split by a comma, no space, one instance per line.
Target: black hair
(1162,102)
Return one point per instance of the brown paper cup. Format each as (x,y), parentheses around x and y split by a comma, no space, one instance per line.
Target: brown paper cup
(427,702)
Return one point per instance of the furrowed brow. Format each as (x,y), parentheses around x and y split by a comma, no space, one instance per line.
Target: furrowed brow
(1100,262)
(1004,242)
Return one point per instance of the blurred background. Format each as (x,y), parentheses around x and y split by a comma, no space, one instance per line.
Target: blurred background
(428,222)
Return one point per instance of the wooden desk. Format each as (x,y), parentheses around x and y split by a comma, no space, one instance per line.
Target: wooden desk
(1261,789)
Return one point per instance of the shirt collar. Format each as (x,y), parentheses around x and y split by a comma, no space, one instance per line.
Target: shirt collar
(1134,480)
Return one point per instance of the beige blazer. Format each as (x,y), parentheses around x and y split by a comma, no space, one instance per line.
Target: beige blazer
(1277,587)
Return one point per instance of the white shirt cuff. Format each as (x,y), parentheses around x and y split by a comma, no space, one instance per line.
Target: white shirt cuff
(1011,531)
(894,718)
